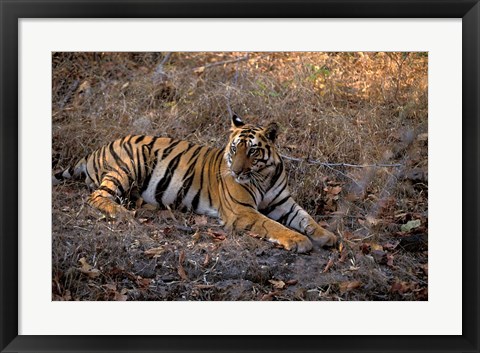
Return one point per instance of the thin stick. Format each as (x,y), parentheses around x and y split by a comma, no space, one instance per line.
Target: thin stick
(159,68)
(345,175)
(311,161)
(231,61)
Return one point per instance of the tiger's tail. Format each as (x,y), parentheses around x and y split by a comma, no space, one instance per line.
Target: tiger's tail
(71,172)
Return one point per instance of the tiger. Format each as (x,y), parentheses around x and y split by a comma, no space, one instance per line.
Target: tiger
(244,184)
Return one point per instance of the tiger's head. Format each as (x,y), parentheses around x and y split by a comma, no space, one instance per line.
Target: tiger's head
(250,152)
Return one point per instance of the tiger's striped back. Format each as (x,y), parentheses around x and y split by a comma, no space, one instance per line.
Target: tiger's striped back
(182,176)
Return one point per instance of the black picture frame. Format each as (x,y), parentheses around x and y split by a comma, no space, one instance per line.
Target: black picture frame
(12,11)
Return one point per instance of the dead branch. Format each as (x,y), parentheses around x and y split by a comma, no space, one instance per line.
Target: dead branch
(159,75)
(200,69)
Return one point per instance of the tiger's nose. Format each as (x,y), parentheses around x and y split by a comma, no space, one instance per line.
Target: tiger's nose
(237,171)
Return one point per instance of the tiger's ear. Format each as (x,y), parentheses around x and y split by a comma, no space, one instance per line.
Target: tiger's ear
(271,131)
(236,121)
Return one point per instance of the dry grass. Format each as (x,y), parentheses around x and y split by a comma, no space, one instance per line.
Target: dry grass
(351,108)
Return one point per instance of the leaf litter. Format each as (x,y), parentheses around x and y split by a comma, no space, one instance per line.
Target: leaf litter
(380,214)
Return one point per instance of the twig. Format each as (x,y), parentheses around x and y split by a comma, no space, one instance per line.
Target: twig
(166,58)
(159,68)
(345,175)
(159,75)
(311,161)
(200,69)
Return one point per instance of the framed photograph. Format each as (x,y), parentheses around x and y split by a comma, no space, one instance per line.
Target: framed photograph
(235,176)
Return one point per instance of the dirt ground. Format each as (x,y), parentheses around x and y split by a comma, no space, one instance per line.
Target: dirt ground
(354,134)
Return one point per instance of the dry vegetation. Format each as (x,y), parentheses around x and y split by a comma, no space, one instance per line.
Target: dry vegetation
(354,130)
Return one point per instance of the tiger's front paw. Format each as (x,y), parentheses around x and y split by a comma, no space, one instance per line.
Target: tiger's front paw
(294,242)
(323,237)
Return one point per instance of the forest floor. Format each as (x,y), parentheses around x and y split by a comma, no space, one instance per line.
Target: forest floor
(354,133)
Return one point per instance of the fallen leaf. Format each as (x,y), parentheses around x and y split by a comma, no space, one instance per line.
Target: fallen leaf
(335,190)
(396,287)
(390,260)
(167,231)
(401,287)
(181,271)
(410,225)
(154,252)
(217,234)
(328,265)
(277,284)
(88,269)
(207,260)
(85,265)
(421,294)
(349,286)
(196,236)
(199,70)
(253,234)
(122,296)
(143,282)
(422,137)
(372,221)
(112,290)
